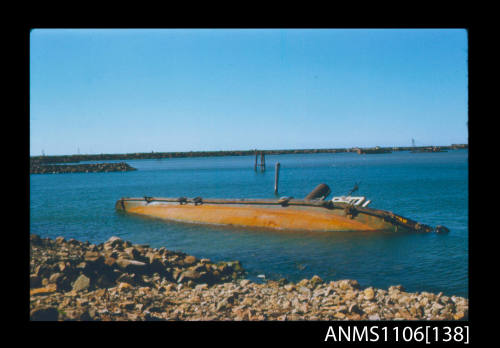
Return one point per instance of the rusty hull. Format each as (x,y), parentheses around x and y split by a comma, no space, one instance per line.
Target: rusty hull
(293,215)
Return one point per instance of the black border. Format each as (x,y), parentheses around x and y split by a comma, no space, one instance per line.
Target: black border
(233,333)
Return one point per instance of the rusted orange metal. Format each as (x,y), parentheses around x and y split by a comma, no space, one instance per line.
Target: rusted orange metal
(275,214)
(277,218)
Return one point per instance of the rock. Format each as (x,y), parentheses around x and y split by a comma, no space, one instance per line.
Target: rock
(78,314)
(60,240)
(350,295)
(315,281)
(176,274)
(62,266)
(189,260)
(54,277)
(339,315)
(222,305)
(92,256)
(205,291)
(132,252)
(404,300)
(131,266)
(201,287)
(417,311)
(73,241)
(304,290)
(44,290)
(83,267)
(124,286)
(114,241)
(44,314)
(81,283)
(189,275)
(396,288)
(347,284)
(130,278)
(244,282)
(354,308)
(369,294)
(303,282)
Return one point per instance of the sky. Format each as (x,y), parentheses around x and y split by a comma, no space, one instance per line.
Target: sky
(106,91)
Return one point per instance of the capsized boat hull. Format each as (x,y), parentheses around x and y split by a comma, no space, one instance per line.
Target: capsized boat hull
(274,214)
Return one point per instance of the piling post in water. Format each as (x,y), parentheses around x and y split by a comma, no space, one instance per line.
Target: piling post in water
(276,177)
(262,164)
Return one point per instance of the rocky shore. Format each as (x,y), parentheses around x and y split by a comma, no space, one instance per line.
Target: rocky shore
(115,280)
(36,168)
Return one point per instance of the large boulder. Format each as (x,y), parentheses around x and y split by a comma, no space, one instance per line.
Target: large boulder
(81,283)
(132,266)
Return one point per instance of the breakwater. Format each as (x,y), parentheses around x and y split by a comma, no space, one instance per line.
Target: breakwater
(116,280)
(161,155)
(37,168)
(376,150)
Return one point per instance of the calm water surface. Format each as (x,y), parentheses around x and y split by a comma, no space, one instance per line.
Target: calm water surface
(431,188)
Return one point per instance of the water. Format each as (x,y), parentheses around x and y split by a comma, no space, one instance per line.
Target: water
(431,188)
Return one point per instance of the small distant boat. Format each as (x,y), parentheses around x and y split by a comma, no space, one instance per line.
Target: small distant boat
(313,213)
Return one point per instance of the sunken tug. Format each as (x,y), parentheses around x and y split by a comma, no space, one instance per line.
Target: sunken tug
(313,213)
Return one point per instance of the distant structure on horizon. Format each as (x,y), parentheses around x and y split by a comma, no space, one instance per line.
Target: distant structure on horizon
(371,151)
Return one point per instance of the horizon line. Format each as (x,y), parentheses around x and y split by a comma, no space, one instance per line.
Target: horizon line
(250,150)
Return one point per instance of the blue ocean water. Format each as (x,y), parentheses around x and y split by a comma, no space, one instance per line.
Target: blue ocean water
(431,188)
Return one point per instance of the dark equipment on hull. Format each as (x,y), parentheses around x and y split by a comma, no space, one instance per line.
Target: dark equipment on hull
(320,192)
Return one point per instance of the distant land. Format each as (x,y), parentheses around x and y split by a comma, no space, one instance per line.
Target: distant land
(40,168)
(160,155)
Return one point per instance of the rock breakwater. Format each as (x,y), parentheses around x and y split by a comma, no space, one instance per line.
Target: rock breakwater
(36,168)
(116,280)
(161,155)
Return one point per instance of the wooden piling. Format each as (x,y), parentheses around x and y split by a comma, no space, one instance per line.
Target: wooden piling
(262,164)
(276,177)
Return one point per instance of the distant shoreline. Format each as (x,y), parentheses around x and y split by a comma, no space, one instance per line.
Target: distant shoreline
(160,155)
(38,168)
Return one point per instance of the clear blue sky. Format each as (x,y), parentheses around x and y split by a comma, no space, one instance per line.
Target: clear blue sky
(122,91)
